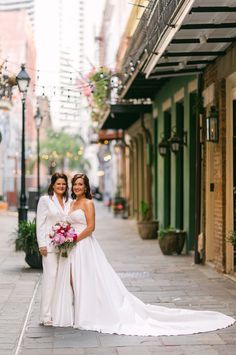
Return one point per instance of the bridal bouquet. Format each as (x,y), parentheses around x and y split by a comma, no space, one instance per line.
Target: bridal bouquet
(63,237)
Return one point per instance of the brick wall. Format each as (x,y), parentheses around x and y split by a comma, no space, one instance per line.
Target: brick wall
(220,180)
(219,163)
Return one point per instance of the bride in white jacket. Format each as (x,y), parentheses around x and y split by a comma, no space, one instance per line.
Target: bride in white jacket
(51,209)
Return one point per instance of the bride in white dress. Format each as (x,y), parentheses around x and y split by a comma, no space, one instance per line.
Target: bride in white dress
(89,294)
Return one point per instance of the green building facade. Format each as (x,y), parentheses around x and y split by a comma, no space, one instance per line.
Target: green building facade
(174,174)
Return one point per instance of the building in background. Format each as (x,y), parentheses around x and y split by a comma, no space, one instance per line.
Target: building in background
(18,5)
(65,56)
(17,46)
(112,31)
(60,58)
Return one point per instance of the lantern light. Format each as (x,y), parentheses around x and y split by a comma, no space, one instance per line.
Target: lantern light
(212,125)
(163,147)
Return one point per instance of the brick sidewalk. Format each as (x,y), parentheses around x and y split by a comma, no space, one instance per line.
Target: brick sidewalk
(172,281)
(17,283)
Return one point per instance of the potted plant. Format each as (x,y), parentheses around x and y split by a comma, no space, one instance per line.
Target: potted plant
(147,227)
(171,240)
(26,241)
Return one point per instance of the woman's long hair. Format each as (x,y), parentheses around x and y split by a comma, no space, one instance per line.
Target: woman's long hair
(54,178)
(87,190)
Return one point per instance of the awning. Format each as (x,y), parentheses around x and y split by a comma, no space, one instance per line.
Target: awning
(109,135)
(179,39)
(123,115)
(140,87)
(205,34)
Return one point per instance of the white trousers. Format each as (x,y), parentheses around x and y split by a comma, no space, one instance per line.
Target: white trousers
(50,265)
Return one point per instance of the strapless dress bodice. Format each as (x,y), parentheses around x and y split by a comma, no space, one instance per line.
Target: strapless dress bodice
(77,217)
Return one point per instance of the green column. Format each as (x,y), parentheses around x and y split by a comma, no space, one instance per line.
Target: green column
(192,169)
(155,168)
(167,172)
(179,210)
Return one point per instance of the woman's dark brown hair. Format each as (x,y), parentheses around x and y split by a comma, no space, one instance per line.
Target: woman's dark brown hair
(54,178)
(87,191)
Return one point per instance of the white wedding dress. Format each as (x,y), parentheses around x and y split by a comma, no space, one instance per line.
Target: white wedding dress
(102,303)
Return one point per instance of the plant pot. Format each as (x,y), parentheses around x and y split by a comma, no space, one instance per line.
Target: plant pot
(34,260)
(180,242)
(172,242)
(148,229)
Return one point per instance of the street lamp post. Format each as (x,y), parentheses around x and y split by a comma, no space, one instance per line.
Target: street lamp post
(38,121)
(23,80)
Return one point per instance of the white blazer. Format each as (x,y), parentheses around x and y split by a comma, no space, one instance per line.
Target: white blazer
(49,212)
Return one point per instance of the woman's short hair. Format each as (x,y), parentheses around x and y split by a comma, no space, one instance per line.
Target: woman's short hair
(86,183)
(54,178)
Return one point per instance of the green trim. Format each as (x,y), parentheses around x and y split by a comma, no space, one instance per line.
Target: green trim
(155,167)
(174,175)
(179,207)
(192,169)
(167,172)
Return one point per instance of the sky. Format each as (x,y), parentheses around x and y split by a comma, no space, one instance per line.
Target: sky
(47,37)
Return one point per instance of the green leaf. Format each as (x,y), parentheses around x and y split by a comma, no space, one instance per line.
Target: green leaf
(26,239)
(144,209)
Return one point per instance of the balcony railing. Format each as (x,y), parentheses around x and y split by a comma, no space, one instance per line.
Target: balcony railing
(154,20)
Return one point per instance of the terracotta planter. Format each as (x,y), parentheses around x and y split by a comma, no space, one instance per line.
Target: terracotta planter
(172,242)
(148,229)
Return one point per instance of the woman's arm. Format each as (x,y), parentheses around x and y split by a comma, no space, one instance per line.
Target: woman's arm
(41,216)
(90,218)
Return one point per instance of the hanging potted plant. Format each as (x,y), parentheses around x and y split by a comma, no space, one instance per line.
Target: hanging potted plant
(147,227)
(171,240)
(26,241)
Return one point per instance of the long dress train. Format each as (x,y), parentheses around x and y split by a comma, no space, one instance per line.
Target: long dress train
(99,300)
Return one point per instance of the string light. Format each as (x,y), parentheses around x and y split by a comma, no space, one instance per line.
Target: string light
(76,71)
(62,88)
(83,84)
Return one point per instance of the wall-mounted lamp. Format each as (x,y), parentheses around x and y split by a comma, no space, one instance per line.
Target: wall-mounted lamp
(163,147)
(212,125)
(176,142)
(173,143)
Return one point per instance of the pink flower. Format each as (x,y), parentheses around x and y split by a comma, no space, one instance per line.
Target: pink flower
(63,237)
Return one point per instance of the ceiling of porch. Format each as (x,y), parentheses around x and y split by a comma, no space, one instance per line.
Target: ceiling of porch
(122,116)
(205,33)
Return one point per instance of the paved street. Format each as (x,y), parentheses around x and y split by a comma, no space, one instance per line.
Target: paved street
(172,281)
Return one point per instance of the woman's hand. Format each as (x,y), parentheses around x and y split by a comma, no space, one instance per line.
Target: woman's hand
(43,251)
